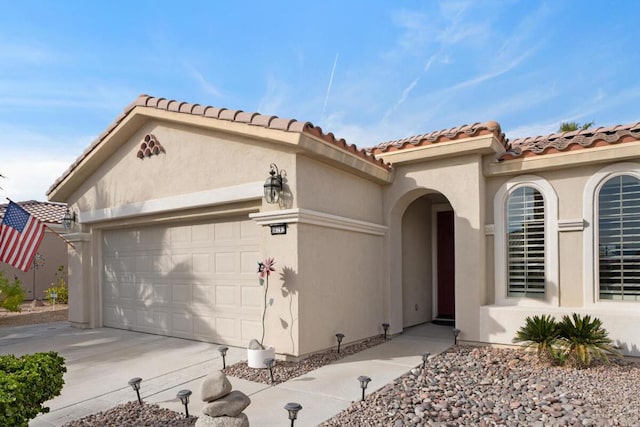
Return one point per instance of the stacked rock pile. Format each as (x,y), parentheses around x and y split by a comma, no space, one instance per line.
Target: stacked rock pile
(224,407)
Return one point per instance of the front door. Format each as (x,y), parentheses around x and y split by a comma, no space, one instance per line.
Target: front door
(445,265)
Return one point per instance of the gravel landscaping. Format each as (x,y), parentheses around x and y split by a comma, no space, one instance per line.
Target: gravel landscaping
(133,414)
(484,386)
(286,370)
(32,314)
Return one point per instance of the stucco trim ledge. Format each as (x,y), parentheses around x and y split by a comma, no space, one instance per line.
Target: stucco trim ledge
(218,196)
(322,219)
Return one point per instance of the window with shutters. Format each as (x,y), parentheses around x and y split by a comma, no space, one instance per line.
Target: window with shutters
(526,243)
(525,210)
(619,239)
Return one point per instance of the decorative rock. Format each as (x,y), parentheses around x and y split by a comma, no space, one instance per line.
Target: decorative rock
(215,386)
(207,421)
(254,344)
(230,405)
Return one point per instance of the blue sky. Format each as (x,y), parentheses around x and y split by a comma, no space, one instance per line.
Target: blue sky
(368,71)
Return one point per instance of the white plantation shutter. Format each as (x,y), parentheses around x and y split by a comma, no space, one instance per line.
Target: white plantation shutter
(619,238)
(526,243)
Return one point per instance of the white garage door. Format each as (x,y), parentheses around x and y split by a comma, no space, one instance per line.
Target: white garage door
(189,280)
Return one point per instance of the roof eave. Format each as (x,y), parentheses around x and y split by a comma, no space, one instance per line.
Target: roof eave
(561,160)
(482,144)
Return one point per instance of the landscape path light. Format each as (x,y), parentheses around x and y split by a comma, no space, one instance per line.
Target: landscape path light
(293,409)
(339,337)
(135,384)
(385,326)
(364,382)
(456,332)
(223,352)
(270,362)
(425,356)
(183,395)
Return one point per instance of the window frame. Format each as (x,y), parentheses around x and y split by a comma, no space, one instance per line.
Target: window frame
(500,205)
(591,253)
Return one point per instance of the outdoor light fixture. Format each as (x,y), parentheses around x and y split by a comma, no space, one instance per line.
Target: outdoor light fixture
(273,185)
(183,395)
(223,352)
(135,383)
(339,337)
(364,382)
(385,326)
(456,332)
(293,409)
(270,362)
(68,219)
(425,356)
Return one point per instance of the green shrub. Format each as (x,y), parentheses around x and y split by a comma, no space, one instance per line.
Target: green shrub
(26,383)
(59,287)
(583,339)
(11,293)
(576,340)
(539,332)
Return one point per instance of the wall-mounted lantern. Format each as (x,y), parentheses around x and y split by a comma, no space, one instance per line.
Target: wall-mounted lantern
(273,185)
(68,219)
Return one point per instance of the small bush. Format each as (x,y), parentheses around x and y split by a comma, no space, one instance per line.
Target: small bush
(583,339)
(576,340)
(59,287)
(11,293)
(539,332)
(26,383)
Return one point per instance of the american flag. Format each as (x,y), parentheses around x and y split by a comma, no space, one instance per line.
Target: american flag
(20,236)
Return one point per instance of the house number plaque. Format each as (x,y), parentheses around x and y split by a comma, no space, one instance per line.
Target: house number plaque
(278,229)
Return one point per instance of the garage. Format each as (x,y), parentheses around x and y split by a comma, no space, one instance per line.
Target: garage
(188,280)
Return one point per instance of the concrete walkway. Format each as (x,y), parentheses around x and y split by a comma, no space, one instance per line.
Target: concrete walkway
(101,361)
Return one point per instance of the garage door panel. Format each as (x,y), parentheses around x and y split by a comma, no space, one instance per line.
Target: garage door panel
(250,329)
(248,230)
(201,263)
(249,262)
(181,294)
(225,262)
(193,281)
(226,231)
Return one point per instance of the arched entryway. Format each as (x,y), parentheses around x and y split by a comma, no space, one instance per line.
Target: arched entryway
(428,261)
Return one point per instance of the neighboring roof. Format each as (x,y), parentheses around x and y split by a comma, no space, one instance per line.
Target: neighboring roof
(568,141)
(238,116)
(48,212)
(442,136)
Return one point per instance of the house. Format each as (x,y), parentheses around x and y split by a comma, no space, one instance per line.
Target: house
(458,225)
(51,254)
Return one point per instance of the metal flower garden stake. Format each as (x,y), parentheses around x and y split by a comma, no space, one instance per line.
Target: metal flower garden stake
(264,270)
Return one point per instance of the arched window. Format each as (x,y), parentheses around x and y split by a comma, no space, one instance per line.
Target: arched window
(525,212)
(619,239)
(525,243)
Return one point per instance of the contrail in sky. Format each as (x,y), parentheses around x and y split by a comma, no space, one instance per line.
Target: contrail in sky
(326,98)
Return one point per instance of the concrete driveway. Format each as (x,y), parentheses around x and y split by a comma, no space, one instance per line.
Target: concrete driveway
(101,361)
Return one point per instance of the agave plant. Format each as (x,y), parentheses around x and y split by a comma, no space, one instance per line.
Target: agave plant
(583,339)
(539,333)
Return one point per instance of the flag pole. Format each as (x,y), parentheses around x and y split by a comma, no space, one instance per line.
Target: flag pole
(52,230)
(60,236)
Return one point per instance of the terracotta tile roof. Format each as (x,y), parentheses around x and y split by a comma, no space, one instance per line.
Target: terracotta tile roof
(48,212)
(568,141)
(442,136)
(239,116)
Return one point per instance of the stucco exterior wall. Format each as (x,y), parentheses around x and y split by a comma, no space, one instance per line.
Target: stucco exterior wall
(54,250)
(342,285)
(195,160)
(499,323)
(327,189)
(460,180)
(417,268)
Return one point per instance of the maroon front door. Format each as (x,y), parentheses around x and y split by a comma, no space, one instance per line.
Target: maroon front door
(446,265)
